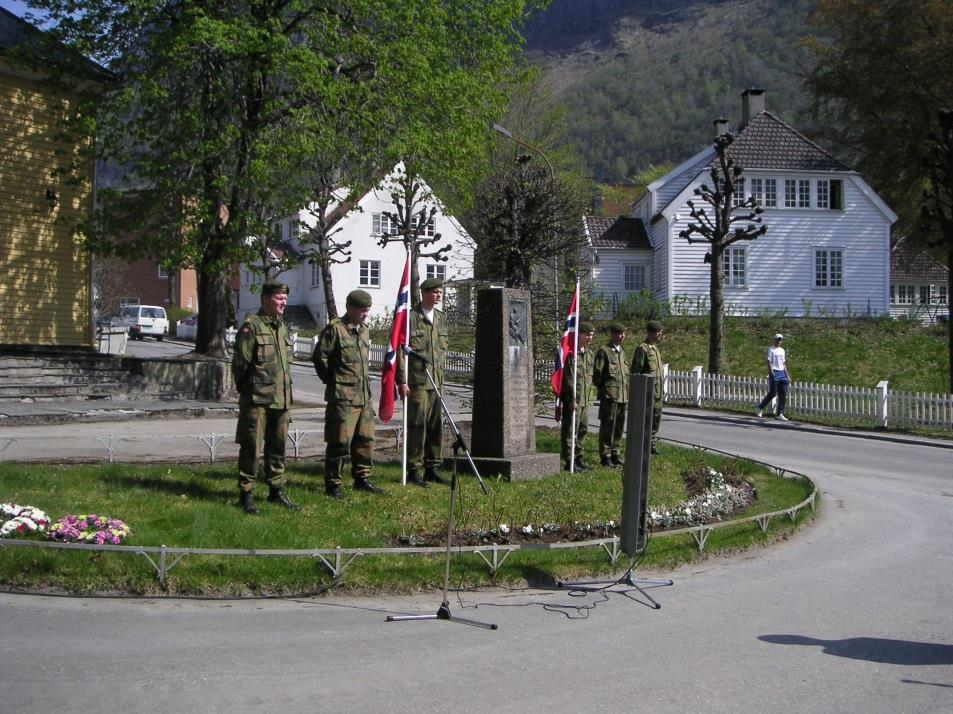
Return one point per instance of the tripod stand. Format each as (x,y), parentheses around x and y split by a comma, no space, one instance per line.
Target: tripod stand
(627,579)
(443,612)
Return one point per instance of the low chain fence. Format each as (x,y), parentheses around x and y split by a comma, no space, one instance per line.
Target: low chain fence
(335,560)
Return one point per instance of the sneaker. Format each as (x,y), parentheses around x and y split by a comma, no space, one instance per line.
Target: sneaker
(761,413)
(781,417)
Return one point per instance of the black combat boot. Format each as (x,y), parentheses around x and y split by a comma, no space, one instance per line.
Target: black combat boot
(363,484)
(580,466)
(616,461)
(431,474)
(413,476)
(276,495)
(334,491)
(247,502)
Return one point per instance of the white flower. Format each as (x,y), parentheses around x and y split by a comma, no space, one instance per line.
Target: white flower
(504,529)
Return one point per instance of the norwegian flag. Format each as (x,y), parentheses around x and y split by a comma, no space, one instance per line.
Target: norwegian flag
(567,344)
(398,337)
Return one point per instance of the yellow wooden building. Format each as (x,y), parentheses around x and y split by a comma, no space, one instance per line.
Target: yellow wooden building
(45,283)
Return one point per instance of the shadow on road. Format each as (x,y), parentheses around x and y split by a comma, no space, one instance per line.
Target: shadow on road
(873,649)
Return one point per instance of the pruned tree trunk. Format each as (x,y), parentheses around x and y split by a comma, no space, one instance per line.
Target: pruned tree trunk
(716,316)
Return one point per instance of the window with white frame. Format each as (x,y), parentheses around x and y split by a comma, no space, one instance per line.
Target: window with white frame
(733,266)
(370,274)
(633,277)
(790,193)
(941,296)
(315,273)
(382,224)
(164,272)
(905,295)
(739,196)
(437,271)
(828,268)
(830,194)
(430,228)
(797,193)
(823,193)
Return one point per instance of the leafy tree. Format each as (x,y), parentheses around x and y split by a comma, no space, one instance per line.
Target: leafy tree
(720,230)
(878,81)
(210,97)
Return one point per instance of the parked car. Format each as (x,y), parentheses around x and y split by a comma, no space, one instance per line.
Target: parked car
(142,320)
(187,328)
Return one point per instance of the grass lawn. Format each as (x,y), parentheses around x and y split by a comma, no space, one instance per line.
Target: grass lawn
(195,506)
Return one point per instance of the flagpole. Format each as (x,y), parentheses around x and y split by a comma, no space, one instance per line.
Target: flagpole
(575,382)
(404,356)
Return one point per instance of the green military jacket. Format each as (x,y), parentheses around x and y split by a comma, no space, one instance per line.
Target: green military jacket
(648,360)
(260,362)
(428,339)
(567,393)
(342,361)
(610,374)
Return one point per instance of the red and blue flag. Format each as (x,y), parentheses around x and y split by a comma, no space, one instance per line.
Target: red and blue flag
(567,343)
(398,338)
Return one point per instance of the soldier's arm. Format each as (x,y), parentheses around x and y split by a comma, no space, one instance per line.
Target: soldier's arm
(597,366)
(638,361)
(242,354)
(322,353)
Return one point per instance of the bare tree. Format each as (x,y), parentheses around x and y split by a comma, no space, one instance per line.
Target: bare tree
(412,223)
(721,230)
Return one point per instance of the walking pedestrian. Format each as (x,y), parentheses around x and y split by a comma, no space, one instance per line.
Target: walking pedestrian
(778,378)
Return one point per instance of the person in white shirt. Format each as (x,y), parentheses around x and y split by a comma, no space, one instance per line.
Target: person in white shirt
(778,378)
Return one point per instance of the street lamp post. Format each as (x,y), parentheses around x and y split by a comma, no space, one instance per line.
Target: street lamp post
(552,175)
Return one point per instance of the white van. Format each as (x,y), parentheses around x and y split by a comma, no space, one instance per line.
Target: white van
(145,320)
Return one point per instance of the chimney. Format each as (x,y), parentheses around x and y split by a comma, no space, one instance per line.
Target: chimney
(752,104)
(721,126)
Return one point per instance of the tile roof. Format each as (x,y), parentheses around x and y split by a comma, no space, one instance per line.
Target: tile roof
(766,142)
(907,263)
(16,32)
(619,232)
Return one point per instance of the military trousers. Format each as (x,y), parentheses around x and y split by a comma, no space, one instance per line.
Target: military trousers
(348,433)
(261,435)
(424,430)
(611,427)
(565,433)
(656,421)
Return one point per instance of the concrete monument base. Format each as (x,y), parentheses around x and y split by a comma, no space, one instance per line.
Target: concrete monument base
(526,467)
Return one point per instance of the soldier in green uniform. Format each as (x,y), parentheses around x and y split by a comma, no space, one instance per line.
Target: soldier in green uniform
(576,400)
(341,360)
(428,338)
(261,368)
(610,374)
(648,360)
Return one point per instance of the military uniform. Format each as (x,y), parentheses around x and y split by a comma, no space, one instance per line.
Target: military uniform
(262,374)
(341,360)
(648,360)
(568,398)
(610,375)
(428,338)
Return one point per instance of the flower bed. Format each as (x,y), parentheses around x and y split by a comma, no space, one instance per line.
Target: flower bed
(22,520)
(90,528)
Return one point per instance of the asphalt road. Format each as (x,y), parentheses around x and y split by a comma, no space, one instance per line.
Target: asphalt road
(853,614)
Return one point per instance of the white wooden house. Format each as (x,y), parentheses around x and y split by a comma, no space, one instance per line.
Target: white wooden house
(826,252)
(373,268)
(919,285)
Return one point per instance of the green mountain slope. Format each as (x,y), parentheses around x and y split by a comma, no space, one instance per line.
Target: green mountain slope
(644,79)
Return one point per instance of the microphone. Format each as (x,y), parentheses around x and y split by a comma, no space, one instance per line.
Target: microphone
(416,355)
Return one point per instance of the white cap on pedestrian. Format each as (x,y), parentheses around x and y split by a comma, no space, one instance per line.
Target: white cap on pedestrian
(779,336)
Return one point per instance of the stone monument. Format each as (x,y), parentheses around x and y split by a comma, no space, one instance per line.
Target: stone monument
(504,418)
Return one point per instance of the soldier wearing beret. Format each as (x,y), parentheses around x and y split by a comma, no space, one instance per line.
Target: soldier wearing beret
(576,397)
(610,374)
(428,338)
(342,361)
(261,368)
(648,360)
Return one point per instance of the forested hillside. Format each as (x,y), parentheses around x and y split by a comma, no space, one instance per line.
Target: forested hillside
(644,79)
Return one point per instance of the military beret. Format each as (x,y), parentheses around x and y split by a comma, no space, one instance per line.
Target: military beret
(431,283)
(586,327)
(653,326)
(359,298)
(618,327)
(272,287)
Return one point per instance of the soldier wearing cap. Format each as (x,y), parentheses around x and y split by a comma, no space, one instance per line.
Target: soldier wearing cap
(576,397)
(648,360)
(342,361)
(261,368)
(610,375)
(428,338)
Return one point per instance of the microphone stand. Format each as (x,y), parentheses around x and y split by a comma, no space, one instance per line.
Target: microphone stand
(443,612)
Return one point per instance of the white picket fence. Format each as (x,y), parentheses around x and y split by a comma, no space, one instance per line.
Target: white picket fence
(879,405)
